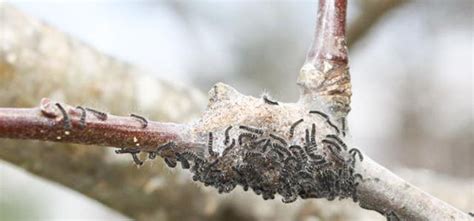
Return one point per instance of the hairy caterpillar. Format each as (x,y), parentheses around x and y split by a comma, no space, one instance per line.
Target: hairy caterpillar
(262,161)
(268,101)
(143,120)
(82,121)
(67,121)
(100,115)
(328,120)
(293,126)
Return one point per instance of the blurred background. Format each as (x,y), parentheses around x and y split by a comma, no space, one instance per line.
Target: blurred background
(411,65)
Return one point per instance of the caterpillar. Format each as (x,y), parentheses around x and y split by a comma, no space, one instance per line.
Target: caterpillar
(143,120)
(251,129)
(67,121)
(151,155)
(227,149)
(209,146)
(136,159)
(281,140)
(170,162)
(246,135)
(309,148)
(355,151)
(328,120)
(326,141)
(336,154)
(100,115)
(293,126)
(127,150)
(267,144)
(338,140)
(268,101)
(343,123)
(298,152)
(184,161)
(82,121)
(226,133)
(282,149)
(275,155)
(169,145)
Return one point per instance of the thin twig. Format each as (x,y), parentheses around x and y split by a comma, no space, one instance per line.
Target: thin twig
(324,78)
(43,123)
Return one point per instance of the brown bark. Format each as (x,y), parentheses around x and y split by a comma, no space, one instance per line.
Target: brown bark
(49,124)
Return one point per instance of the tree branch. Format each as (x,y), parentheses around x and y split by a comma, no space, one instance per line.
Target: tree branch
(48,123)
(378,189)
(38,61)
(291,149)
(324,78)
(393,197)
(325,81)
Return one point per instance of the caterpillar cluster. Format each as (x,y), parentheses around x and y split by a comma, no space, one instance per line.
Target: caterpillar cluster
(99,114)
(264,162)
(269,164)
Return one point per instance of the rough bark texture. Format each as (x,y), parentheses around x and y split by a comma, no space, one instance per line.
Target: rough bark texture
(324,79)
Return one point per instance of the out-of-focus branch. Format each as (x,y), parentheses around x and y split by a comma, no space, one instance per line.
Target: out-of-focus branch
(371,13)
(39,61)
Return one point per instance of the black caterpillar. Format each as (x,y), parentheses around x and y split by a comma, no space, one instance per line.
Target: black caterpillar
(82,121)
(328,120)
(142,119)
(269,164)
(66,119)
(268,101)
(134,152)
(100,115)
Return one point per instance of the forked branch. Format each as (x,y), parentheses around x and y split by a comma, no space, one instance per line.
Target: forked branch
(291,149)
